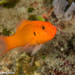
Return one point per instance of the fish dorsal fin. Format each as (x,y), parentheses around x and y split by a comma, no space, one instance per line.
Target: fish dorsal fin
(21,24)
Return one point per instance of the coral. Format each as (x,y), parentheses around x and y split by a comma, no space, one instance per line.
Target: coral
(68,13)
(59,9)
(23,66)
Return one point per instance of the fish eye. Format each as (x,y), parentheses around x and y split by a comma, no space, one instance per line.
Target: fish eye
(43,27)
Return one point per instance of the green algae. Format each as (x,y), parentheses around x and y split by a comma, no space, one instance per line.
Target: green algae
(30,9)
(41,18)
(9,3)
(32,17)
(6,32)
(43,57)
(2,2)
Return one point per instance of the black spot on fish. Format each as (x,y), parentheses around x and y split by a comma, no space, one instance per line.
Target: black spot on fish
(34,33)
(43,27)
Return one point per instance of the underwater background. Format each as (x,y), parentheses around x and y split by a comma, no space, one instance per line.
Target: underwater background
(56,57)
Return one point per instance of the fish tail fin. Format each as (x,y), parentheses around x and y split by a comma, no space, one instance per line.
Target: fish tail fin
(3,45)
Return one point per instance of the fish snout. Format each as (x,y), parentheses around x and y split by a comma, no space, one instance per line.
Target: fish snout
(54,30)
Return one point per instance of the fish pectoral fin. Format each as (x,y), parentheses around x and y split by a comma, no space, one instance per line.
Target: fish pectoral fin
(35,49)
(31,49)
(27,48)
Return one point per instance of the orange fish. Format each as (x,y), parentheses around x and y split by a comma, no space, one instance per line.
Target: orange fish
(30,35)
